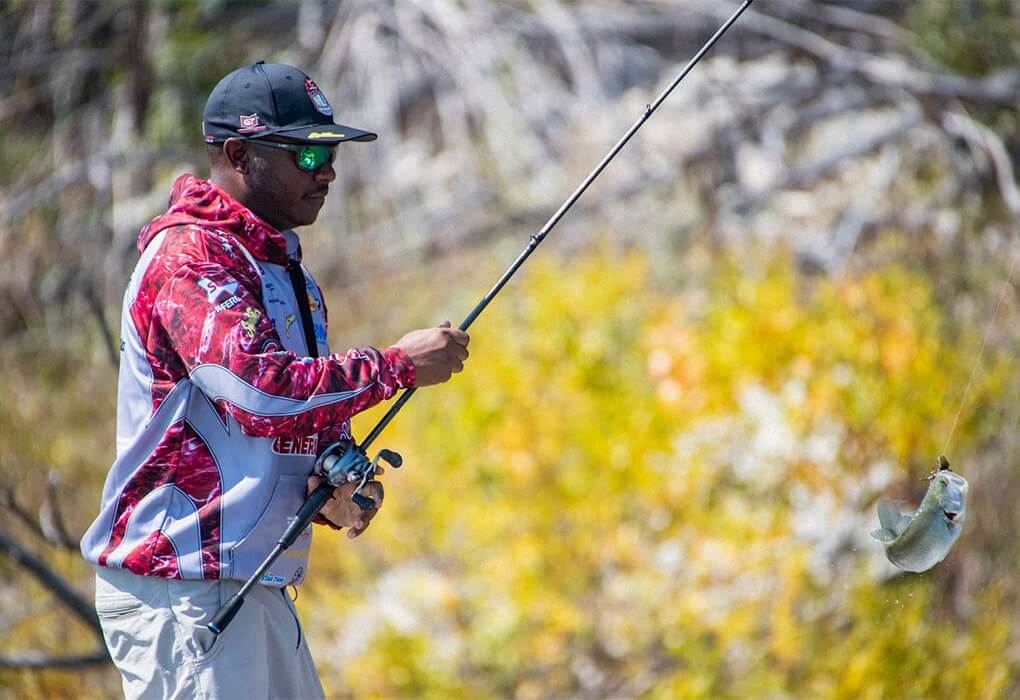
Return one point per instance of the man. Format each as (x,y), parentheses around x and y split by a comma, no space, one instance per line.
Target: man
(227,392)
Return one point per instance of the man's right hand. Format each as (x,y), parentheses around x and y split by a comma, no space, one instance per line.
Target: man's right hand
(436,353)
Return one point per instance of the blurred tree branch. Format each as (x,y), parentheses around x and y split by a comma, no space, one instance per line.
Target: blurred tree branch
(50,527)
(889,70)
(982,140)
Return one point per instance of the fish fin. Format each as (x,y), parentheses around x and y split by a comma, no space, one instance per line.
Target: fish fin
(902,524)
(883,535)
(888,515)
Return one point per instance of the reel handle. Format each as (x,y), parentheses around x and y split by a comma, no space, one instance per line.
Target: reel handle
(344,462)
(391,458)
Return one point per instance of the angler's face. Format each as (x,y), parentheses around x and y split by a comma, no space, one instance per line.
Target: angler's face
(282,193)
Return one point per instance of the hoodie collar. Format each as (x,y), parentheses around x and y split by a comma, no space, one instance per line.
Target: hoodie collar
(198,202)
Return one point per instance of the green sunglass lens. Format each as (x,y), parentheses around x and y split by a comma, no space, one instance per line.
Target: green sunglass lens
(312,157)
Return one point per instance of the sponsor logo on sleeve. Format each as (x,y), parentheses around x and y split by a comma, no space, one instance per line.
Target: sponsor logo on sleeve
(228,304)
(251,317)
(214,291)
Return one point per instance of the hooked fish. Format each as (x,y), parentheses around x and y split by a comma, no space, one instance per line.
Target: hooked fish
(919,541)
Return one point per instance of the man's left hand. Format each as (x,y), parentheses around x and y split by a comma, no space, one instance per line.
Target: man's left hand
(341,511)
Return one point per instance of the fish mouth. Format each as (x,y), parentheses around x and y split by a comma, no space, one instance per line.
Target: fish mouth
(951,515)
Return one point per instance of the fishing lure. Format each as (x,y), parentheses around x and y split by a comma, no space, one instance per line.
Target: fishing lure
(919,541)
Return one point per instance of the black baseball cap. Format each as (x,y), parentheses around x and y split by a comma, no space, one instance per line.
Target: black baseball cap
(273,98)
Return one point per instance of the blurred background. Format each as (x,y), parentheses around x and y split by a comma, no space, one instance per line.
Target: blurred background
(657,475)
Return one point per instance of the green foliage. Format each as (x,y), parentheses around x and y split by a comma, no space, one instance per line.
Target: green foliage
(973,37)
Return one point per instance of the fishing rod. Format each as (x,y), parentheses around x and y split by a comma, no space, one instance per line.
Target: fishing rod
(345,461)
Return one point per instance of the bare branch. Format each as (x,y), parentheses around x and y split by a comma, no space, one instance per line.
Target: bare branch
(49,526)
(980,138)
(17,204)
(810,171)
(999,89)
(95,304)
(70,598)
(848,19)
(38,661)
(14,205)
(51,520)
(51,580)
(10,503)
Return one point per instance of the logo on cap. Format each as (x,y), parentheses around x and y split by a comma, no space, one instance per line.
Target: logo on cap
(250,124)
(319,100)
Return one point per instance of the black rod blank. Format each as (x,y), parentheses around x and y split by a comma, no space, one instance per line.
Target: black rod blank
(318,499)
(537,238)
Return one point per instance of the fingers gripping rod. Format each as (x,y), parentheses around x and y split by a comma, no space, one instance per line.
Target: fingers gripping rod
(322,494)
(537,238)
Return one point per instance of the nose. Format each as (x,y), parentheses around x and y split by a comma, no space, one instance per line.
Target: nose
(325,174)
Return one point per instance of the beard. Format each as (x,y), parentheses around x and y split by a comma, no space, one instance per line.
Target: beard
(264,187)
(268,195)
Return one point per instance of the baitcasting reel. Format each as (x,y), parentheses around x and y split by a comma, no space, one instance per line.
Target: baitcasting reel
(343,462)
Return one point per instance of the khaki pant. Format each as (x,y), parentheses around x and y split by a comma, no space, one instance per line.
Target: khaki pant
(153,629)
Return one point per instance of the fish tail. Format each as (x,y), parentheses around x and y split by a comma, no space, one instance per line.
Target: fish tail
(883,534)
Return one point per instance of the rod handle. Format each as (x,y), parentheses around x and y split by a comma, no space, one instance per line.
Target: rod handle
(312,505)
(225,614)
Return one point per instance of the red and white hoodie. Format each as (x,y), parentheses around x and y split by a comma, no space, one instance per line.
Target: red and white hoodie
(220,410)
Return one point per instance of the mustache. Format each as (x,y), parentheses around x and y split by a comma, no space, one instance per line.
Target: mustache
(319,191)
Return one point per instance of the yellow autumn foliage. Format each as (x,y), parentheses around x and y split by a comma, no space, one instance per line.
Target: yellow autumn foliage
(647,487)
(636,490)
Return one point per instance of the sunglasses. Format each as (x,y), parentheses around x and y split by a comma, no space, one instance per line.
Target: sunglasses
(309,157)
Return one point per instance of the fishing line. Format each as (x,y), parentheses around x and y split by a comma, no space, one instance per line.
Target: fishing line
(976,134)
(981,351)
(346,462)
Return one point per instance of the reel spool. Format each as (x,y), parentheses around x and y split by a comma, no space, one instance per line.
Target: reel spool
(343,462)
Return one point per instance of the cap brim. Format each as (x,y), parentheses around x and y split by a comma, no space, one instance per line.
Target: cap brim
(327,133)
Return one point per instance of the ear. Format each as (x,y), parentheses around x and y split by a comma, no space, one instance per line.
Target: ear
(236,152)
